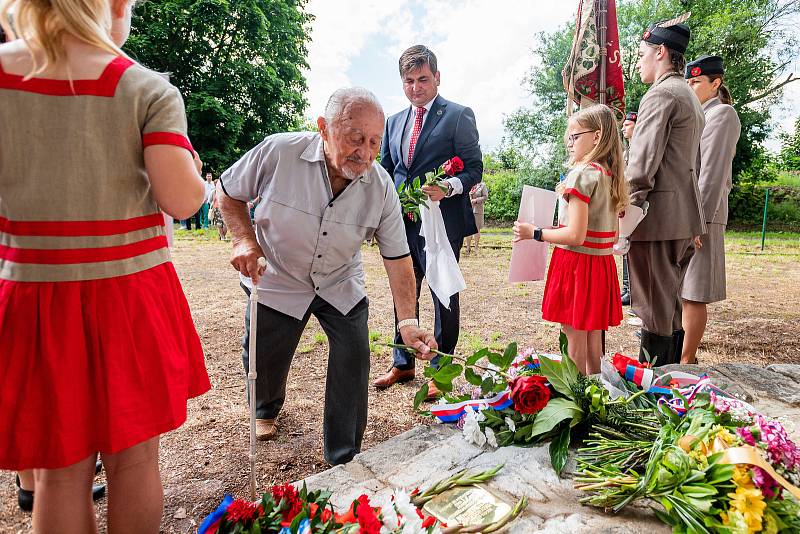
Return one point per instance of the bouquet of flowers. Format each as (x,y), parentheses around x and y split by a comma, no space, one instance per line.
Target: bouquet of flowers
(525,398)
(411,194)
(286,510)
(710,470)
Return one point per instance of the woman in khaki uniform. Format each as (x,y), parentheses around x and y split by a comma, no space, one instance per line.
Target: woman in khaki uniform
(705,278)
(478,196)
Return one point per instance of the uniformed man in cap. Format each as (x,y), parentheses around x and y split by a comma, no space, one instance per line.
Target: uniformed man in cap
(662,171)
(705,278)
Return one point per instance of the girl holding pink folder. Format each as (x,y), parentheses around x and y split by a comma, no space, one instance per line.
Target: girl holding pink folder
(582,290)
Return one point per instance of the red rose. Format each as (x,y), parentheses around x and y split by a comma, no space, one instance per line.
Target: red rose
(530,393)
(453,166)
(696,72)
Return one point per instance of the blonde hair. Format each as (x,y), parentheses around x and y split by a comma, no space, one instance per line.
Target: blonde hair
(42,24)
(608,151)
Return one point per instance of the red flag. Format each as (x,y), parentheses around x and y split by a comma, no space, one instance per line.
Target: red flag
(584,72)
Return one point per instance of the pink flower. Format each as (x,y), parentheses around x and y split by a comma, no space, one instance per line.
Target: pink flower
(768,486)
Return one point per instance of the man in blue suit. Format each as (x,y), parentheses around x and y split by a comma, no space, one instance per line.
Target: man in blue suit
(418,140)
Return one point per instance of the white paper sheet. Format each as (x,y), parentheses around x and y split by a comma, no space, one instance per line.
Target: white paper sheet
(441,268)
(529,257)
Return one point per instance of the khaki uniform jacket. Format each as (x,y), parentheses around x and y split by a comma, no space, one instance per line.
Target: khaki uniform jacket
(480,193)
(663,156)
(715,159)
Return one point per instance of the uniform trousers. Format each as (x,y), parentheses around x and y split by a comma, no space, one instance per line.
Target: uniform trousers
(346,394)
(657,270)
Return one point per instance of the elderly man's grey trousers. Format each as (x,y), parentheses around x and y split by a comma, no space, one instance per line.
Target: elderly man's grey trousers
(345,416)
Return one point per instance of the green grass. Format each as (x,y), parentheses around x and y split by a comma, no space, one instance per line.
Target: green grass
(788,179)
(320,338)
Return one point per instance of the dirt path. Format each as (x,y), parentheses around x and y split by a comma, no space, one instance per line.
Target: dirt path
(208,455)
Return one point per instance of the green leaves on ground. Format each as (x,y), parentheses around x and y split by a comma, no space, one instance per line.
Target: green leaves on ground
(561,375)
(557,410)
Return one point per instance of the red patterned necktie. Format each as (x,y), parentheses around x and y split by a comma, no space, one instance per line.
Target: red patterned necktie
(415,134)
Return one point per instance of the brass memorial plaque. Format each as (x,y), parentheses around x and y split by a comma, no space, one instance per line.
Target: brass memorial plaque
(471,505)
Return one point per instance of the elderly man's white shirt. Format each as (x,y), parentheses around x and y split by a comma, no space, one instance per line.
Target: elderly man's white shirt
(311,240)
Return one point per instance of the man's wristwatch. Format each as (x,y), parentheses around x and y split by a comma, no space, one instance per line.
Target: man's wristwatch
(408,322)
(537,234)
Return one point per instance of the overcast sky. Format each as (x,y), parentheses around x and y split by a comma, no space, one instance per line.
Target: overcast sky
(484,50)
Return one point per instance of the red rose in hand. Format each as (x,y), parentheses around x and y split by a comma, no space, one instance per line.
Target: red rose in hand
(453,166)
(530,393)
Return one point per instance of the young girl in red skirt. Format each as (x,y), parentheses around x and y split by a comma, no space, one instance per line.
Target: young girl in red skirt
(99,351)
(582,290)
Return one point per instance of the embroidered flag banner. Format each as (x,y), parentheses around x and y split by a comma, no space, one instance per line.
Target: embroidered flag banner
(584,72)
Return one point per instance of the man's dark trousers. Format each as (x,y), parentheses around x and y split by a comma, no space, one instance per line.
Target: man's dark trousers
(446,322)
(345,416)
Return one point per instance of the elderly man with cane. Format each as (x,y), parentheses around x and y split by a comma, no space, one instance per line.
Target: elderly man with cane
(322,196)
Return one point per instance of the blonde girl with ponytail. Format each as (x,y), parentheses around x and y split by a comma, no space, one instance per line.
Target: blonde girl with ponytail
(100,354)
(582,290)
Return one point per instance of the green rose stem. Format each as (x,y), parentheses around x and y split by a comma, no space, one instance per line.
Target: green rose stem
(456,358)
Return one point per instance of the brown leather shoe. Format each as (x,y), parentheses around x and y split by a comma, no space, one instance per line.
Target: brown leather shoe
(433,391)
(394,376)
(266,429)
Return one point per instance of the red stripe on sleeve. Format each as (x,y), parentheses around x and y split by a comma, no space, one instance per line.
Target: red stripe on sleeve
(167,138)
(573,191)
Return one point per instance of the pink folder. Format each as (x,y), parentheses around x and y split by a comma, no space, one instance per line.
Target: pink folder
(529,257)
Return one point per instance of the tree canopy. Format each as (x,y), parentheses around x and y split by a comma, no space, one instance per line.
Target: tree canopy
(238,64)
(754,37)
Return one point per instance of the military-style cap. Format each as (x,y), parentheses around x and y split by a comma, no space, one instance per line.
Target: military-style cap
(631,116)
(673,33)
(704,65)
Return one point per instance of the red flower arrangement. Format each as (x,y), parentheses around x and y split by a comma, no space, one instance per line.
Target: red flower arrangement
(244,511)
(293,505)
(530,393)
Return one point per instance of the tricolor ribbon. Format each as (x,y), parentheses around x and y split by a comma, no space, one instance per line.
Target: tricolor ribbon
(450,413)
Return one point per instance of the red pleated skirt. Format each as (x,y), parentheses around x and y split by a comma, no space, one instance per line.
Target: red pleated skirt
(582,291)
(94,366)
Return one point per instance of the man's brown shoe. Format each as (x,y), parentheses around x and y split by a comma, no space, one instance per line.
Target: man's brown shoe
(394,376)
(433,391)
(266,429)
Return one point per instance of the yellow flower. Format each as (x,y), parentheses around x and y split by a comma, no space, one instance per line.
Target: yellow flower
(750,503)
(741,477)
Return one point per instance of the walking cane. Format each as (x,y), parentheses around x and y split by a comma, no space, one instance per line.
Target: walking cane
(251,378)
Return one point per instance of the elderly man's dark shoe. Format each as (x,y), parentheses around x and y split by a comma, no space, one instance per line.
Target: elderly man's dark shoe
(394,376)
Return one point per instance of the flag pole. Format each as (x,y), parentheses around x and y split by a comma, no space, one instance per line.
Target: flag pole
(602,24)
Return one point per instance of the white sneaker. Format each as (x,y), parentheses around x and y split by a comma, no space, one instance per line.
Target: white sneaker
(635,321)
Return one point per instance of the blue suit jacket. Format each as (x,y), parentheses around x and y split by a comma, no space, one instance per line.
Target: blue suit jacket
(449,131)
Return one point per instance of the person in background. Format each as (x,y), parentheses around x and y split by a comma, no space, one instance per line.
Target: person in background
(705,277)
(117,373)
(204,209)
(582,289)
(417,140)
(627,132)
(216,215)
(478,196)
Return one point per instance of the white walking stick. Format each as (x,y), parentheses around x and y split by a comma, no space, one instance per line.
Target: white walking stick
(251,378)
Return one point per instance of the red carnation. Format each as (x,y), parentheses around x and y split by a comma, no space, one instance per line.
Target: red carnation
(530,393)
(696,71)
(293,504)
(242,511)
(367,519)
(453,166)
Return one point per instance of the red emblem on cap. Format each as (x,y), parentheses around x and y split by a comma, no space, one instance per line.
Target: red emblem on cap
(697,71)
(647,35)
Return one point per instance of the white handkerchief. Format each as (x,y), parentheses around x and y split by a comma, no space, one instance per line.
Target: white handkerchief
(441,268)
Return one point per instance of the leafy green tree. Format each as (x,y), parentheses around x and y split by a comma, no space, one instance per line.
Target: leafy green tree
(755,37)
(790,149)
(238,64)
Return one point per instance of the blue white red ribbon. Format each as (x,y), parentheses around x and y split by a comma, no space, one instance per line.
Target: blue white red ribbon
(211,523)
(450,413)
